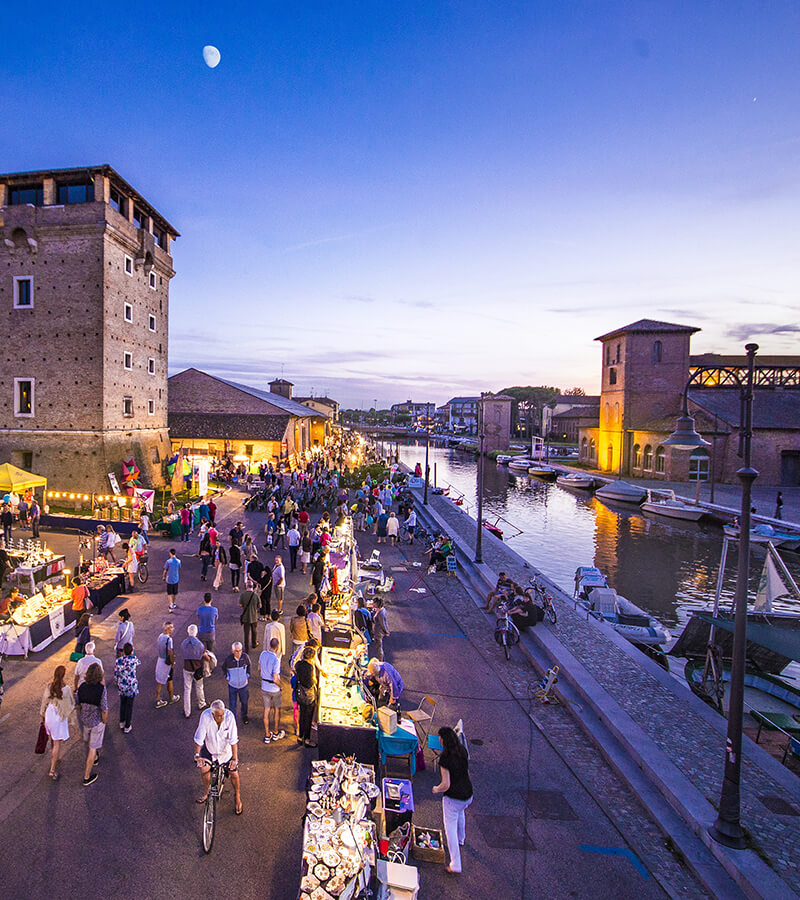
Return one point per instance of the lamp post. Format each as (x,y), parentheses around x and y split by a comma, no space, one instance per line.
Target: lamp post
(727,828)
(481,437)
(427,450)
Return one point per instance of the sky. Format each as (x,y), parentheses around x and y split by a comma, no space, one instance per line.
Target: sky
(385,202)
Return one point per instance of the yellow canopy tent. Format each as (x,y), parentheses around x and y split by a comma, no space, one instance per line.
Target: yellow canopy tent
(15,479)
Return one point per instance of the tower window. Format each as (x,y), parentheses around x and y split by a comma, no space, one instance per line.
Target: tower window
(152,280)
(76,193)
(151,322)
(151,407)
(118,201)
(127,312)
(128,265)
(657,352)
(608,354)
(160,237)
(127,359)
(32,194)
(612,376)
(139,218)
(23,397)
(127,407)
(23,292)
(618,352)
(151,366)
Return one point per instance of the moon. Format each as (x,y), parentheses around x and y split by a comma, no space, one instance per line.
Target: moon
(211,56)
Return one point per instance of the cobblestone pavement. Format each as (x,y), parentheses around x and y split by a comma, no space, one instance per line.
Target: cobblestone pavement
(695,748)
(566,737)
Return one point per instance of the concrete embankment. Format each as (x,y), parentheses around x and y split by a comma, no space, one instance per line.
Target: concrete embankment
(666,744)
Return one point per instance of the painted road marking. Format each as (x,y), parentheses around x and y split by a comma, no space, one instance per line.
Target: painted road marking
(618,851)
(457,634)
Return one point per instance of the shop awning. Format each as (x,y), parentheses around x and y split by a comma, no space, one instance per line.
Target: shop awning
(16,479)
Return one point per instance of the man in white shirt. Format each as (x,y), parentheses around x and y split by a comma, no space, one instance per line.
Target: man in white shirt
(293,540)
(270,666)
(279,582)
(82,665)
(275,629)
(411,524)
(217,739)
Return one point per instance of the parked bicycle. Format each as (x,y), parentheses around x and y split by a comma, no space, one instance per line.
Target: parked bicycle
(506,632)
(543,599)
(141,573)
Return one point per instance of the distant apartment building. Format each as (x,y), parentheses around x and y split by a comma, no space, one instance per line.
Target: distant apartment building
(85,267)
(563,421)
(419,413)
(464,414)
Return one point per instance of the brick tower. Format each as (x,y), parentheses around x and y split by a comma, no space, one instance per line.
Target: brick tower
(85,267)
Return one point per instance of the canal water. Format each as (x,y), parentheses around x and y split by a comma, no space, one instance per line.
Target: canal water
(666,567)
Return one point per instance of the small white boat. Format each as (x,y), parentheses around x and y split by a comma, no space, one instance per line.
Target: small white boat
(520,464)
(575,481)
(672,507)
(503,459)
(764,533)
(603,603)
(544,472)
(621,492)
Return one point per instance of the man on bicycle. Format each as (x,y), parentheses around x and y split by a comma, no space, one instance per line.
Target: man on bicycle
(217,739)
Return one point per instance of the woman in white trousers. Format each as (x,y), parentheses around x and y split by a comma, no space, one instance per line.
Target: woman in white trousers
(456,789)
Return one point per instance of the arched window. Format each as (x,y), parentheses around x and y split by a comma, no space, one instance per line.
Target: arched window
(648,458)
(637,456)
(657,352)
(584,448)
(699,465)
(661,461)
(616,413)
(608,413)
(610,457)
(592,451)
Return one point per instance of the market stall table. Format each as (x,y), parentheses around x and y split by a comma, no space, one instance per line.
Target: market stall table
(341,726)
(37,621)
(104,588)
(403,742)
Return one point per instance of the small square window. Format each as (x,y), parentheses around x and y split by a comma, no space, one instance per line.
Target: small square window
(151,407)
(152,278)
(127,359)
(151,366)
(127,406)
(23,292)
(129,265)
(151,322)
(23,397)
(127,312)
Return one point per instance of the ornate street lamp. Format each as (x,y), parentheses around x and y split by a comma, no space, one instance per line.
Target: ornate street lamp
(727,829)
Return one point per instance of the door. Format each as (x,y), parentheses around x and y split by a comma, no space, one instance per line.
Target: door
(790,468)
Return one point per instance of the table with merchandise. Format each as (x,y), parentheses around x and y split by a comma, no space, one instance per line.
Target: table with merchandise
(344,714)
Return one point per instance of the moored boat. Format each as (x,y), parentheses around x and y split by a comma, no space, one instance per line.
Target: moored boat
(543,472)
(665,503)
(575,481)
(764,533)
(520,465)
(603,603)
(621,492)
(503,459)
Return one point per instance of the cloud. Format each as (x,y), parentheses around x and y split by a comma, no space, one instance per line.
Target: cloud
(744,332)
(357,298)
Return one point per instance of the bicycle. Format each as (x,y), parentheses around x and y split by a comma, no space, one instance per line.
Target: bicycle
(210,810)
(506,632)
(544,600)
(141,573)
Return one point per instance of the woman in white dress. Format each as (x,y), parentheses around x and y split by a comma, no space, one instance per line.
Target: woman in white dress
(57,706)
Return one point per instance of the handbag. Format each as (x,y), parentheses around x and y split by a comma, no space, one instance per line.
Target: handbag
(76,655)
(41,740)
(306,696)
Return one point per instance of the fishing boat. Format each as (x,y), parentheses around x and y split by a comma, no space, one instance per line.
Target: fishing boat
(665,503)
(621,492)
(520,465)
(575,481)
(543,472)
(503,459)
(603,603)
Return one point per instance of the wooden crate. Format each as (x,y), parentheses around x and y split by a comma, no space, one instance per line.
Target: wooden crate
(427,854)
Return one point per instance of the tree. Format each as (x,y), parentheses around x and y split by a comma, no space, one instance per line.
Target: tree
(526,411)
(575,392)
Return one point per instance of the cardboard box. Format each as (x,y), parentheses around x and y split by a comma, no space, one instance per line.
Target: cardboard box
(387,720)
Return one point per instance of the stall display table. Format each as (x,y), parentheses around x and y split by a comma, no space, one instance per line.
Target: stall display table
(29,578)
(403,742)
(341,727)
(104,588)
(38,623)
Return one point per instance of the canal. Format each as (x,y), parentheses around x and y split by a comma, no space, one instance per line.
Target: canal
(666,567)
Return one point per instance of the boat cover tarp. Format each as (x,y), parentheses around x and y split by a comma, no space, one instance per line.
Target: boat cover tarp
(776,637)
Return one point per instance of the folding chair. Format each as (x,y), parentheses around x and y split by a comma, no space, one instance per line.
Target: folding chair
(422,717)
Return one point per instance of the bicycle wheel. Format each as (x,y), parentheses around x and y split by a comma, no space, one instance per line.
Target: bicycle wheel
(142,574)
(209,820)
(551,613)
(505,646)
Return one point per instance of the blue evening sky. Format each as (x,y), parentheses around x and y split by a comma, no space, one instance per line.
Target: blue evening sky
(414,200)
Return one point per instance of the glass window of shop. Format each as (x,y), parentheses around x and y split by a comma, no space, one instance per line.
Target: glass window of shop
(699,465)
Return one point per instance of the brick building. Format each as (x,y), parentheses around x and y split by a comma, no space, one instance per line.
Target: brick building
(646,366)
(85,266)
(210,416)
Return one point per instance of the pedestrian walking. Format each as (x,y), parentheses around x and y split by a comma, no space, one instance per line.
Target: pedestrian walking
(380,628)
(205,554)
(93,715)
(83,634)
(82,665)
(314,619)
(293,539)
(56,708)
(235,564)
(194,654)
(456,790)
(220,561)
(279,582)
(34,515)
(299,632)
(250,601)
(275,629)
(779,505)
(212,512)
(125,631)
(382,526)
(207,616)
(270,668)
(392,527)
(172,576)
(411,524)
(165,665)
(305,551)
(7,520)
(236,669)
(128,685)
(306,673)
(186,522)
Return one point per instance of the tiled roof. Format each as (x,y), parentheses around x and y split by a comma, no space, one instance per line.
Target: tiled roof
(227,426)
(290,406)
(646,326)
(779,409)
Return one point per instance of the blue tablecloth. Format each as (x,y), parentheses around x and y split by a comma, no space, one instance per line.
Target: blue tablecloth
(400,743)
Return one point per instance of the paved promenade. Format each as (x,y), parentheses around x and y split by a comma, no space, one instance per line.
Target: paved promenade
(676,732)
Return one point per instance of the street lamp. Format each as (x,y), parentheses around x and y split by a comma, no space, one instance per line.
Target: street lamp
(427,450)
(481,437)
(727,828)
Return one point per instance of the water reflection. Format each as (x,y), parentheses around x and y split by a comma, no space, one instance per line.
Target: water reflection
(666,568)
